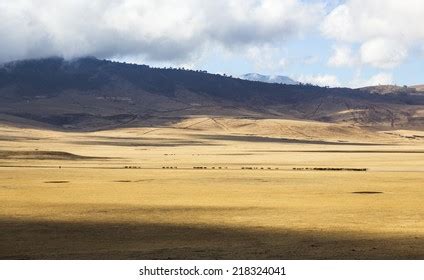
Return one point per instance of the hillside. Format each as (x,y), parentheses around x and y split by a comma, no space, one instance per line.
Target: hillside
(92,94)
(394,90)
(419,88)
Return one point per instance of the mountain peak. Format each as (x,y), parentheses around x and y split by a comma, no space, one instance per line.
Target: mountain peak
(273,79)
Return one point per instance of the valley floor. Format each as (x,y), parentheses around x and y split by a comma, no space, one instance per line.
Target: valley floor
(173,193)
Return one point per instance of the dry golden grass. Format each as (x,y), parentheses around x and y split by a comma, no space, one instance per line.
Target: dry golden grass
(94,207)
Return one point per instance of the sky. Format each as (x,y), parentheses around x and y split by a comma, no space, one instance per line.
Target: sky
(350,43)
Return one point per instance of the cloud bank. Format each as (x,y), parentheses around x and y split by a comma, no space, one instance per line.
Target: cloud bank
(160,30)
(385,30)
(362,36)
(320,80)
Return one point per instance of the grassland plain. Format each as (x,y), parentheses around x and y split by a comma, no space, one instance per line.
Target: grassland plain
(133,193)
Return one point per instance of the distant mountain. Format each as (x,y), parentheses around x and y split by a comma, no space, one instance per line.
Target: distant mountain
(90,94)
(394,90)
(419,88)
(269,79)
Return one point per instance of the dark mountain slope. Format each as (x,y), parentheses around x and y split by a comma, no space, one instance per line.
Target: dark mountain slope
(95,93)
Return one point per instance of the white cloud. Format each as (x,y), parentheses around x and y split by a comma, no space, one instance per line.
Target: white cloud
(382,53)
(320,80)
(382,78)
(339,24)
(386,30)
(342,56)
(379,53)
(161,30)
(266,58)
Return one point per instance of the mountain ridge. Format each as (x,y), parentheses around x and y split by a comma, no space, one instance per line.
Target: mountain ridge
(88,93)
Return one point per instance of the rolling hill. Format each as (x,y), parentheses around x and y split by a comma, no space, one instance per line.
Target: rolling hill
(92,94)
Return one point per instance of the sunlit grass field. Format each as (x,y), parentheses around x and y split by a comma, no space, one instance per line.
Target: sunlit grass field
(134,194)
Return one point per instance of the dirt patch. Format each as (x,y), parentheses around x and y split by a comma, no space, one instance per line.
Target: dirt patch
(343,151)
(142,143)
(43,155)
(261,139)
(144,180)
(7,187)
(329,169)
(367,192)
(17,138)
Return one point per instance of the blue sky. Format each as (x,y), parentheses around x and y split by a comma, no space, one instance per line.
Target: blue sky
(350,43)
(308,59)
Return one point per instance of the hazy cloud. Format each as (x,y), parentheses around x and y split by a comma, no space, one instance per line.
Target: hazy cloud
(342,56)
(266,58)
(383,53)
(320,80)
(382,78)
(386,30)
(161,30)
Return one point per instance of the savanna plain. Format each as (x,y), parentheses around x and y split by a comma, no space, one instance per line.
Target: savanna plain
(205,189)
